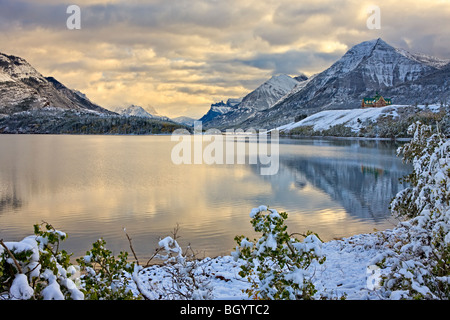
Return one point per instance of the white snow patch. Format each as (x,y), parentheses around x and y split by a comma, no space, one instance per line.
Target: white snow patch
(353,118)
(345,271)
(20,289)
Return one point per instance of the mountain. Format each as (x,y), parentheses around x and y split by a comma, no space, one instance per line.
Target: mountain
(33,104)
(220,108)
(133,111)
(268,93)
(22,88)
(138,111)
(187,121)
(259,99)
(432,88)
(151,113)
(369,67)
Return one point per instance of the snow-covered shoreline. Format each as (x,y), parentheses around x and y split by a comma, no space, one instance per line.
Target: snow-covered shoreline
(348,271)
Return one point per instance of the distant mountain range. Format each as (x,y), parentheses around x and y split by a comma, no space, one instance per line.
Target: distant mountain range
(367,68)
(137,111)
(187,121)
(151,113)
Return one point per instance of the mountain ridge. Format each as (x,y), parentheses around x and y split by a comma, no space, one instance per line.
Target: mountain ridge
(23,88)
(369,67)
(262,98)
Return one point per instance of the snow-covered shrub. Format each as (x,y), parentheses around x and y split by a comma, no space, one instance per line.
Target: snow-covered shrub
(35,268)
(105,277)
(419,259)
(277,264)
(445,122)
(183,274)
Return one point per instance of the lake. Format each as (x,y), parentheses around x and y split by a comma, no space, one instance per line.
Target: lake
(93,187)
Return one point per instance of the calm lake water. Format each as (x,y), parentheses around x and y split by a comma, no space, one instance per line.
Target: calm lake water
(94,186)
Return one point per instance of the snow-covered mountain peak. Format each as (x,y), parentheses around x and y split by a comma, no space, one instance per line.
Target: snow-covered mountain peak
(269,92)
(283,81)
(133,111)
(14,68)
(353,57)
(24,88)
(377,63)
(359,53)
(138,111)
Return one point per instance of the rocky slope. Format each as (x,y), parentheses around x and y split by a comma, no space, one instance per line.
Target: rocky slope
(22,88)
(259,99)
(369,67)
(220,108)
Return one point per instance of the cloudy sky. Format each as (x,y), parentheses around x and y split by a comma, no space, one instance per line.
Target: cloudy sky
(179,56)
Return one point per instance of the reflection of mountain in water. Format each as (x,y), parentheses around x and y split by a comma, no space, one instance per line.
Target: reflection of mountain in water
(8,202)
(9,198)
(362,180)
(363,191)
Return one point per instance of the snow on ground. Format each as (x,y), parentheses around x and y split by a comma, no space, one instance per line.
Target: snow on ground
(353,118)
(347,271)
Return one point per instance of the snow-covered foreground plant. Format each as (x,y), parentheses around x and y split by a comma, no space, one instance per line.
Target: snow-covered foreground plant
(184,277)
(35,268)
(276,264)
(105,277)
(419,261)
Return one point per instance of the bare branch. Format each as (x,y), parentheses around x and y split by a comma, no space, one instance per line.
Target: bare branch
(131,246)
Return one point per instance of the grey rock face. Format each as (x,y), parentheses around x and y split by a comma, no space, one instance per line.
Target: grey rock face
(22,88)
(259,99)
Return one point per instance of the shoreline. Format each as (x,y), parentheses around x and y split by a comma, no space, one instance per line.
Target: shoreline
(346,138)
(344,274)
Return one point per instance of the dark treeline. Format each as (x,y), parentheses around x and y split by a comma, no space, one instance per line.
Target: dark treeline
(71,122)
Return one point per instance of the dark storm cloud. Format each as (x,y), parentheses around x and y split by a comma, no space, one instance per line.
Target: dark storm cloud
(291,62)
(26,14)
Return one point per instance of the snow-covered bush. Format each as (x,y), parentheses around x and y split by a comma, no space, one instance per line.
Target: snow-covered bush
(419,260)
(35,268)
(277,264)
(105,277)
(184,277)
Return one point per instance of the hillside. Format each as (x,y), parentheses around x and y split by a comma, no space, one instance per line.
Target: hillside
(386,122)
